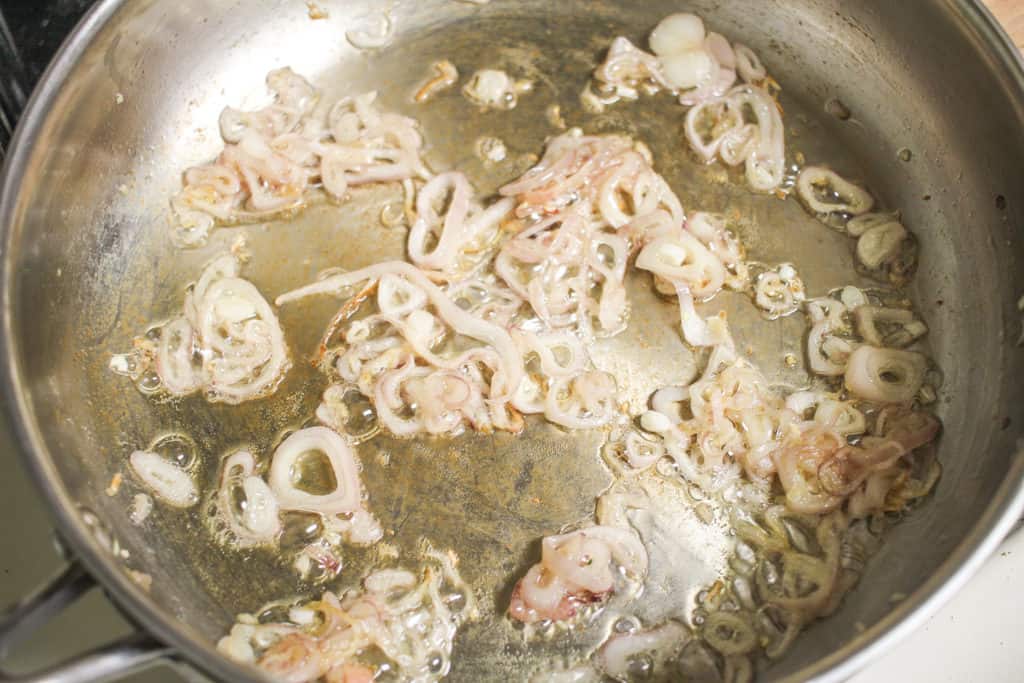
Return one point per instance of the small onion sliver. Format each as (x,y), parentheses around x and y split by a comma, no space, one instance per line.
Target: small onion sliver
(257,522)
(820,363)
(367,40)
(748,64)
(261,509)
(618,652)
(841,416)
(729,633)
(861,224)
(867,319)
(625,546)
(169,482)
(881,244)
(174,358)
(579,561)
(640,452)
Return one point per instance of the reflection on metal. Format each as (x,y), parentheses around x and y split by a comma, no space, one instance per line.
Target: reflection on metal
(86,263)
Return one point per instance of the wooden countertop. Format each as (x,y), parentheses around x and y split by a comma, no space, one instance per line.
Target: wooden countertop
(1011,14)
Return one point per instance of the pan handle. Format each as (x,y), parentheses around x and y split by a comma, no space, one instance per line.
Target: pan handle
(107,662)
(13,80)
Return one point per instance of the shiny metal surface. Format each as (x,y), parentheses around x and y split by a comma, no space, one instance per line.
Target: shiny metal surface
(134,99)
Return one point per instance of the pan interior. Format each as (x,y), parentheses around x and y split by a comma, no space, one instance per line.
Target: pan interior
(99,269)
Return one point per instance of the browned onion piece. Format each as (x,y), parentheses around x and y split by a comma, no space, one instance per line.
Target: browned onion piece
(911,428)
(798,461)
(842,474)
(881,244)
(875,323)
(824,192)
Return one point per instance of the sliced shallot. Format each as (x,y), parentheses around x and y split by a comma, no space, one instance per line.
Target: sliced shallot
(825,192)
(167,481)
(576,569)
(885,375)
(348,492)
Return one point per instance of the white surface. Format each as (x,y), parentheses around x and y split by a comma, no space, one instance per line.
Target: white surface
(978,636)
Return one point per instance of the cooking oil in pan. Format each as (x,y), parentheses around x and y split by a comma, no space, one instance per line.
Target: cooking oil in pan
(491,498)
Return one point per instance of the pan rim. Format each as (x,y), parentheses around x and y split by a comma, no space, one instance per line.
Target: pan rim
(1006,507)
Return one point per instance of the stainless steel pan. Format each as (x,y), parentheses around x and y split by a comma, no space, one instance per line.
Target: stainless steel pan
(133,98)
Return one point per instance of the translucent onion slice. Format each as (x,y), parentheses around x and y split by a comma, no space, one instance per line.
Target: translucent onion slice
(677,33)
(617,655)
(779,292)
(642,453)
(688,69)
(858,225)
(748,64)
(881,244)
(464,227)
(580,561)
(174,358)
(380,36)
(257,521)
(875,325)
(506,380)
(729,633)
(885,375)
(245,354)
(584,401)
(683,260)
(167,481)
(345,498)
(576,568)
(493,88)
(826,354)
(824,192)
